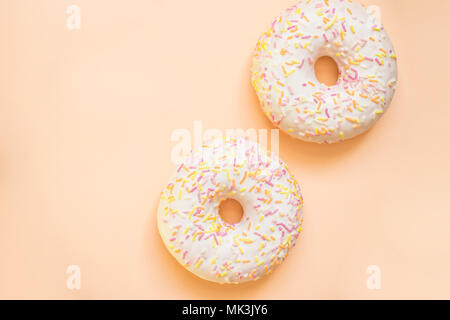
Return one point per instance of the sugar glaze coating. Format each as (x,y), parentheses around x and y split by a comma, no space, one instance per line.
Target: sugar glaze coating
(284,78)
(193,231)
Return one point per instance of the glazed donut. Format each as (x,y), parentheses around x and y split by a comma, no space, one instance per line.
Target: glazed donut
(195,234)
(285,82)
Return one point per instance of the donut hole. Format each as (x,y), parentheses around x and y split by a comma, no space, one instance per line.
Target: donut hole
(326,70)
(231,211)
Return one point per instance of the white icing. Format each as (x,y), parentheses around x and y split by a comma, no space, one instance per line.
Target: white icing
(284,78)
(201,241)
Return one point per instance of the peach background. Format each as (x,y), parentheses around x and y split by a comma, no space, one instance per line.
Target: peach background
(85,123)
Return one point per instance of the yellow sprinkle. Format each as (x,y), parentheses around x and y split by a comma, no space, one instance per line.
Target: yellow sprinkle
(199,263)
(213,261)
(353,29)
(354,120)
(192,211)
(331,23)
(186,230)
(288,240)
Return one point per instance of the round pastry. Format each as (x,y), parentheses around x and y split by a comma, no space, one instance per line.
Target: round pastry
(285,82)
(195,234)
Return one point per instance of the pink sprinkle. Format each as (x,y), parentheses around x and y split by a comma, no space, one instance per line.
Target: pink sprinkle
(259,235)
(269,183)
(276,78)
(215,238)
(301,65)
(284,226)
(271,213)
(290,90)
(208,236)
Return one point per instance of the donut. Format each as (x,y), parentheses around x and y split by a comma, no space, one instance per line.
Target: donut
(284,79)
(201,241)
